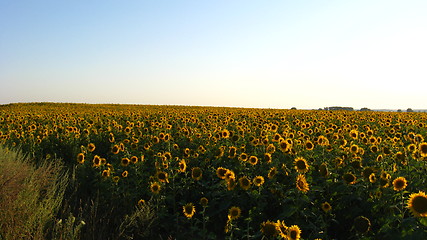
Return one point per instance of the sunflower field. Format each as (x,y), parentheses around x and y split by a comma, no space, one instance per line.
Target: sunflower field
(180,172)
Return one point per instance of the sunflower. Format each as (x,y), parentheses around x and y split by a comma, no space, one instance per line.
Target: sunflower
(105,173)
(301,165)
(189,210)
(253,160)
(220,172)
(349,178)
(411,147)
(326,207)
(182,165)
(196,173)
(284,146)
(155,188)
(354,148)
(244,183)
(204,201)
(225,133)
(272,172)
(125,162)
(367,171)
(162,176)
(91,147)
(115,149)
(155,140)
(267,157)
(301,183)
(354,134)
(230,175)
(362,224)
(323,169)
(282,229)
(134,159)
(116,179)
(417,204)
(276,137)
(96,161)
(232,152)
(231,183)
(400,156)
(258,181)
(167,156)
(269,229)
(372,178)
(125,174)
(294,232)
(234,213)
(81,158)
(399,184)
(270,148)
(243,157)
(422,148)
(309,145)
(141,202)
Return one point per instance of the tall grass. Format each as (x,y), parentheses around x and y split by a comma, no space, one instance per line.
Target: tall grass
(30,196)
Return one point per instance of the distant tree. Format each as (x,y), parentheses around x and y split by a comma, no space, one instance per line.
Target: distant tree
(365,109)
(409,110)
(293,108)
(399,110)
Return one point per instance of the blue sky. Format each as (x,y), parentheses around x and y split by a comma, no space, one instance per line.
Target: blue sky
(269,54)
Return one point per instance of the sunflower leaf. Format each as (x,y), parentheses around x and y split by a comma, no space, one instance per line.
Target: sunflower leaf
(423,221)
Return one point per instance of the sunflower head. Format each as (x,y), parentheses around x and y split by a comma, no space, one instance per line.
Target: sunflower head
(234,213)
(423,149)
(301,183)
(349,178)
(96,161)
(417,204)
(282,229)
(162,176)
(155,188)
(326,207)
(269,229)
(134,159)
(220,172)
(204,201)
(115,149)
(196,173)
(362,224)
(399,183)
(81,158)
(91,147)
(244,183)
(272,172)
(189,210)
(301,165)
(258,181)
(323,170)
(253,160)
(182,165)
(309,145)
(294,232)
(125,162)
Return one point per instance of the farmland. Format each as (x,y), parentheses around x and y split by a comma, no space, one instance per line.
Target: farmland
(181,172)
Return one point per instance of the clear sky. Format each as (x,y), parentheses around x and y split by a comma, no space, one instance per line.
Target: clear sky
(269,54)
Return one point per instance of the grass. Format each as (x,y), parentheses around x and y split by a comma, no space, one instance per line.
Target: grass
(30,196)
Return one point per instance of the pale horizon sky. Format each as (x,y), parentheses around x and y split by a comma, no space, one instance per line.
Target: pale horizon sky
(261,54)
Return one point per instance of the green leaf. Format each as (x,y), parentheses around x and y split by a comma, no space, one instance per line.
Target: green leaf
(423,221)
